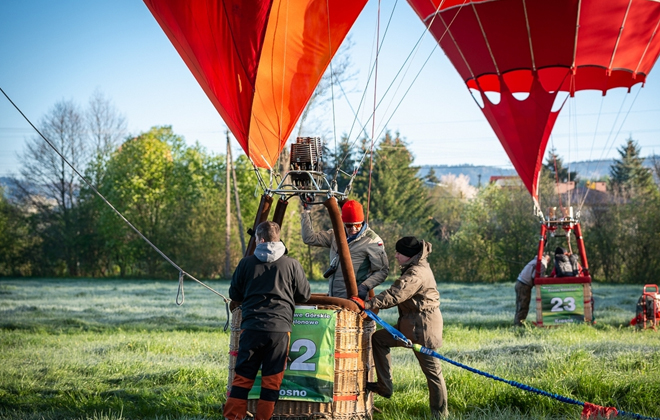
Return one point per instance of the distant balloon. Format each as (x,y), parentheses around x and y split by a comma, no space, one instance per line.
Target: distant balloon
(258,61)
(528,50)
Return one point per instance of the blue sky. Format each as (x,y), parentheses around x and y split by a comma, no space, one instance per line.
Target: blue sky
(65,50)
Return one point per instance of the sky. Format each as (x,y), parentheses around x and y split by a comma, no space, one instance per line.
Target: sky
(67,50)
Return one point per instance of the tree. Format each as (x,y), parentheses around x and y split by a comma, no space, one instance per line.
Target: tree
(431,177)
(107,127)
(554,165)
(137,183)
(50,186)
(628,173)
(16,240)
(655,161)
(397,194)
(341,163)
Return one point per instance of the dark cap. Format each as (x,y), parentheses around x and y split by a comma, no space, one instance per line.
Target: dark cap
(560,251)
(408,246)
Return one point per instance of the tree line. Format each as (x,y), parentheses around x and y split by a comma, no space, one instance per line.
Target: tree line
(52,224)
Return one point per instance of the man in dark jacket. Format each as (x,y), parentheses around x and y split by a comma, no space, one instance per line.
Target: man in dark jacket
(416,295)
(269,284)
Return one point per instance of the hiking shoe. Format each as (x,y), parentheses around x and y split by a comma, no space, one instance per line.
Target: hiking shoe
(376,389)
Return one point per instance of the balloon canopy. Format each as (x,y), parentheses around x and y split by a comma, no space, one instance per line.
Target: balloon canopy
(527,51)
(258,61)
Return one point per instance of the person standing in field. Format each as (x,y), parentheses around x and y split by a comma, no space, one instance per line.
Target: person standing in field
(416,296)
(269,284)
(366,248)
(524,286)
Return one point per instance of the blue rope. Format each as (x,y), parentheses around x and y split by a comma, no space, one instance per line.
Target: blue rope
(395,333)
(425,350)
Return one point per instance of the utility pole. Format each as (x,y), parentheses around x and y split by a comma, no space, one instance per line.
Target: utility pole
(228,211)
(238,202)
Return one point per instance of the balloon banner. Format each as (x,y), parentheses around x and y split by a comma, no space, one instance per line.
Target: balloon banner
(562,303)
(310,372)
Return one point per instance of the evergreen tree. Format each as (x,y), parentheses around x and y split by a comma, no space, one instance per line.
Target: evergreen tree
(342,159)
(628,172)
(554,166)
(397,194)
(431,177)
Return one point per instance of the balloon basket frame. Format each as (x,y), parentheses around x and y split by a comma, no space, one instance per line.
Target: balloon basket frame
(353,369)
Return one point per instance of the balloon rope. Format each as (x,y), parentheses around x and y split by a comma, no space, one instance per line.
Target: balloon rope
(607,149)
(332,77)
(373,116)
(89,184)
(589,410)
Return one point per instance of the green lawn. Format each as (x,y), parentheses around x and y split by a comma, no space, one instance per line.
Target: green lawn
(120,349)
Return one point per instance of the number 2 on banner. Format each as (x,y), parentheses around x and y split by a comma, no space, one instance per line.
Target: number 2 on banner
(567,304)
(299,363)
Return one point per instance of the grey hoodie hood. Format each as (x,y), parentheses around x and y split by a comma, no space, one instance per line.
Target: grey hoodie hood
(269,251)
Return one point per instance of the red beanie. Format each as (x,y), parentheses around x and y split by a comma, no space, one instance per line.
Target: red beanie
(351,212)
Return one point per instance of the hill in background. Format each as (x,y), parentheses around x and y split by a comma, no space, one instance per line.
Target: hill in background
(592,169)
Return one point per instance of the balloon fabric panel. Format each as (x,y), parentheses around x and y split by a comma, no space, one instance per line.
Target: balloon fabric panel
(258,61)
(539,48)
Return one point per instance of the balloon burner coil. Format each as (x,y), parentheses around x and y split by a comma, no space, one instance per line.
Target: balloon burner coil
(306,156)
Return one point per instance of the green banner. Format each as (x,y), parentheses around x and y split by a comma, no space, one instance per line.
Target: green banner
(310,371)
(562,303)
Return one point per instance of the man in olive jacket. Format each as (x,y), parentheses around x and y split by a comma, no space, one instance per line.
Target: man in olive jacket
(416,295)
(365,246)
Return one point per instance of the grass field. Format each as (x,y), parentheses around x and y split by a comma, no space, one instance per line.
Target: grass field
(119,349)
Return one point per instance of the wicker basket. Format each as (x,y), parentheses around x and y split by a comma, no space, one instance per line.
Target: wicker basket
(353,368)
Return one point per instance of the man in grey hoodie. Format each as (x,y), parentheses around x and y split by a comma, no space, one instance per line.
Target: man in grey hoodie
(268,284)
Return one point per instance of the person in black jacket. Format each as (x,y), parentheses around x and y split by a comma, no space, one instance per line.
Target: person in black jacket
(269,284)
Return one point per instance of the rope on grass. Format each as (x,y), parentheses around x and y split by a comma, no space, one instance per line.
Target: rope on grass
(589,410)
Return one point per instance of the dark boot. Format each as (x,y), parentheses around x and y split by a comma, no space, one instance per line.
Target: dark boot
(376,389)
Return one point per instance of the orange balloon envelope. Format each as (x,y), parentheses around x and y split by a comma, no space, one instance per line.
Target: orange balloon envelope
(538,48)
(258,61)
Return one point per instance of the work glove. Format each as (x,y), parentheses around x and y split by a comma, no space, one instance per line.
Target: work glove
(363,291)
(305,199)
(359,302)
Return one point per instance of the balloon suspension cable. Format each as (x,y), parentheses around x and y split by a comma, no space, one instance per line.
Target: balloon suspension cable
(182,272)
(607,149)
(428,58)
(537,211)
(408,58)
(554,159)
(270,171)
(258,174)
(410,55)
(373,117)
(332,79)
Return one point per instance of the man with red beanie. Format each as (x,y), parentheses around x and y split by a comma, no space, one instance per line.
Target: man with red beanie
(367,251)
(416,296)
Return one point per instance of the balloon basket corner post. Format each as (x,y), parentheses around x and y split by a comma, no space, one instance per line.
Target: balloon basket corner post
(562,301)
(330,363)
